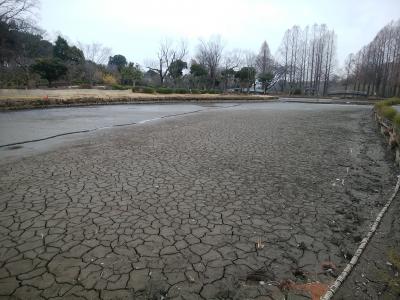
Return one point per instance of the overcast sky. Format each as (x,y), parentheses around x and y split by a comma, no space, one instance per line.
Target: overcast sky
(134,28)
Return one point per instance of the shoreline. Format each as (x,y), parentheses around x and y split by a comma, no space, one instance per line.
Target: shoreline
(11,99)
(21,103)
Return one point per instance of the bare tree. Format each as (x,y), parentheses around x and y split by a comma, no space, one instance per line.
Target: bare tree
(231,61)
(167,54)
(96,55)
(209,54)
(95,52)
(284,57)
(376,67)
(307,59)
(17,10)
(349,68)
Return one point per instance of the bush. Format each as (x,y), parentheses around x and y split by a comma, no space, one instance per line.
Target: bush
(138,89)
(379,105)
(388,102)
(162,90)
(109,79)
(195,91)
(394,101)
(85,86)
(148,90)
(389,112)
(119,87)
(181,91)
(143,89)
(212,92)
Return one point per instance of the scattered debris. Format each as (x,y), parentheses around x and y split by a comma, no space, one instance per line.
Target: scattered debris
(315,289)
(300,274)
(326,265)
(259,244)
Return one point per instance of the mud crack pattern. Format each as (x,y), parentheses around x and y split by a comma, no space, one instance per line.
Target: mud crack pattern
(204,206)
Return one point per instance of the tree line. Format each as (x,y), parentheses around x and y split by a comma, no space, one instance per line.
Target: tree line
(307,59)
(305,62)
(375,69)
(28,60)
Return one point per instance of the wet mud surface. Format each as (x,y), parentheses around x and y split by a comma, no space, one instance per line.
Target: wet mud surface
(376,276)
(224,204)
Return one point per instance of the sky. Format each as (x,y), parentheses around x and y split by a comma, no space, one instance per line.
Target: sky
(134,28)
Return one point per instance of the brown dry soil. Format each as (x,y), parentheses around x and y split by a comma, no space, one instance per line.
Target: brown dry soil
(226,204)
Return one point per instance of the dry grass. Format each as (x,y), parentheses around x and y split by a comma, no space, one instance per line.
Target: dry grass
(15,99)
(391,276)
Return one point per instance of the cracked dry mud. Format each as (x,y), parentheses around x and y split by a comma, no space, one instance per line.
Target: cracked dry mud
(174,209)
(370,277)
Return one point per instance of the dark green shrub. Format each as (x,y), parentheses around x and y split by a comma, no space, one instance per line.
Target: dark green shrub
(148,90)
(195,91)
(212,92)
(181,91)
(143,89)
(163,90)
(138,89)
(119,87)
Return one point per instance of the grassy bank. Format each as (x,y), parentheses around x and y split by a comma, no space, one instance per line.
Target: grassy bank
(23,99)
(386,110)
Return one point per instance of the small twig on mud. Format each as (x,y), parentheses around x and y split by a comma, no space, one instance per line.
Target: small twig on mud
(259,244)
